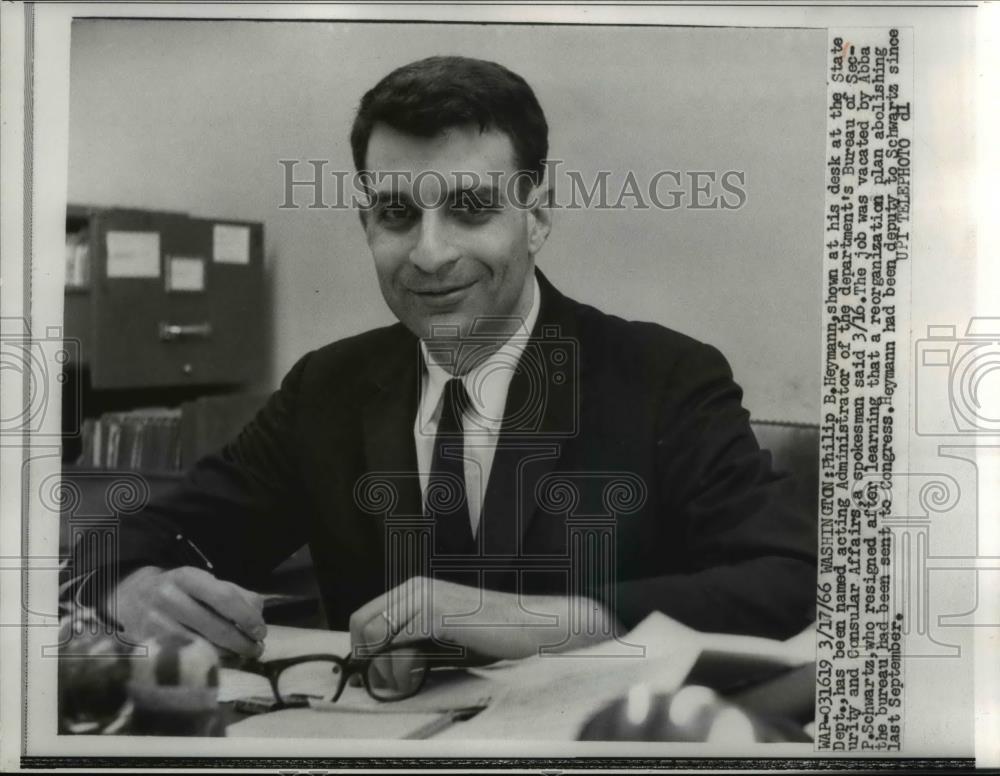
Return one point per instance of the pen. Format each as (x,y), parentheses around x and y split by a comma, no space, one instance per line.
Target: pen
(193,546)
(446,720)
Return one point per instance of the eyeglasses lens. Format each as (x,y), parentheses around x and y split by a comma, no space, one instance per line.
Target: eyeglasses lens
(315,679)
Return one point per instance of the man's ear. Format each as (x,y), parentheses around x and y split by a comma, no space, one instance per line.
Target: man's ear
(539,218)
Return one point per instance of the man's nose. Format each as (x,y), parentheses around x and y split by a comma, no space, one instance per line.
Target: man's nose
(434,248)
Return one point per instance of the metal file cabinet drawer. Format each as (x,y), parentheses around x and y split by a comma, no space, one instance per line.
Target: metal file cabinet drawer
(160,309)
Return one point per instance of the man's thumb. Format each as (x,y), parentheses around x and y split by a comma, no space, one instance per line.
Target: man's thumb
(254,600)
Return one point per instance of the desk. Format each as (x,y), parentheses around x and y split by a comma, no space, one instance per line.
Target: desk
(542,698)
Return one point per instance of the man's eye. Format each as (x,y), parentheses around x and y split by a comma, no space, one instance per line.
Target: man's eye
(395,213)
(473,208)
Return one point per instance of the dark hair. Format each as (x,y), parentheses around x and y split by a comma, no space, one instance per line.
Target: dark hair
(426,97)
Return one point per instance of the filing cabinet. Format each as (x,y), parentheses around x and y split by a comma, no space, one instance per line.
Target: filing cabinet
(165,299)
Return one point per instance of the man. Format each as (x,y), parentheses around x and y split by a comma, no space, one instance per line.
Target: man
(502,456)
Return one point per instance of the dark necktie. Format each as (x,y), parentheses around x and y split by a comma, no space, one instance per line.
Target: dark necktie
(446,500)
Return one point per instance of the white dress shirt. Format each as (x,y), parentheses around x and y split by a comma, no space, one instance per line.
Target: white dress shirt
(487,385)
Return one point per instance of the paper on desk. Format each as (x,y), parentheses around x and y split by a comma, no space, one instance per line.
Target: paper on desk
(657,634)
(545,697)
(309,723)
(283,641)
(550,697)
(798,650)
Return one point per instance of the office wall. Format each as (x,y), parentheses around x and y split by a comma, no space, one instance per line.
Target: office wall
(195,116)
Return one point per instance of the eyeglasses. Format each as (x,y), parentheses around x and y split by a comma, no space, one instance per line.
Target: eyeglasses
(392,675)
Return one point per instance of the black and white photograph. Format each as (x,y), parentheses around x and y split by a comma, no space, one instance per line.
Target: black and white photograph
(539,385)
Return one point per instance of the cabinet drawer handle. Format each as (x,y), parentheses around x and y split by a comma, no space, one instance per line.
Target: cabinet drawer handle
(171,332)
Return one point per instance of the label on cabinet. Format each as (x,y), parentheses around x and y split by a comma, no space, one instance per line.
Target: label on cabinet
(133,254)
(185,273)
(231,244)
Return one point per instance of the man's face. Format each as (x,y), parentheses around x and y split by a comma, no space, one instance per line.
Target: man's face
(445,258)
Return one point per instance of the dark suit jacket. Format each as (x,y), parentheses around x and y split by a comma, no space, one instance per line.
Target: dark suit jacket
(626,470)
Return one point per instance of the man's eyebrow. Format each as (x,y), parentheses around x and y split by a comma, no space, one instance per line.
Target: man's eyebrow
(392,197)
(483,195)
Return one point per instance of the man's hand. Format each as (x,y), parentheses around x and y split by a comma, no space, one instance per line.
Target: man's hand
(500,625)
(152,601)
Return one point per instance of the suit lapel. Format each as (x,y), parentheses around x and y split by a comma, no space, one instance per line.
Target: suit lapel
(388,424)
(541,415)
